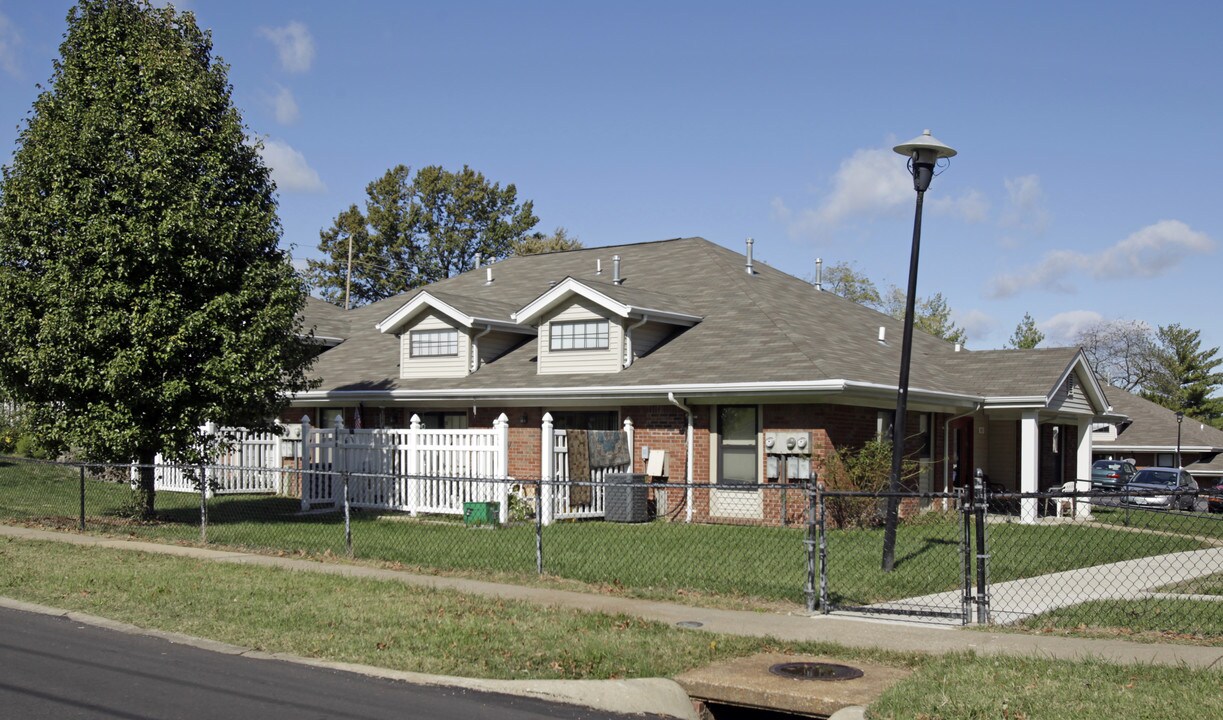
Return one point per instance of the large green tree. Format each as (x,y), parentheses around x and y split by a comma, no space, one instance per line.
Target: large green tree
(1185,376)
(1026,335)
(416,230)
(537,243)
(931,315)
(142,289)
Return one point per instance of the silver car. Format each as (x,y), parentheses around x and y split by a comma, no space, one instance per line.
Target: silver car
(1161,487)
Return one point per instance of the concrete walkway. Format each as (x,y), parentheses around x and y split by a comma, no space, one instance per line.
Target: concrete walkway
(797,627)
(1016,600)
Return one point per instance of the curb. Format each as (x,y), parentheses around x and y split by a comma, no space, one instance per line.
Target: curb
(642,696)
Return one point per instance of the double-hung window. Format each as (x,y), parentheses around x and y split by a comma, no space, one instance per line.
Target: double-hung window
(579,335)
(434,343)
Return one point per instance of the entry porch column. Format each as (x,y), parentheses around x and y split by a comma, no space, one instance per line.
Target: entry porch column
(1029,463)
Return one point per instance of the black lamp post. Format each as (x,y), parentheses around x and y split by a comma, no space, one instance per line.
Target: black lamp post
(1180,418)
(923,152)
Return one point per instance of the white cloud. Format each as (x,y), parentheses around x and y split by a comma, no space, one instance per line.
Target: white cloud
(1061,329)
(1025,204)
(971,207)
(286,107)
(10,40)
(976,324)
(1150,252)
(872,182)
(289,168)
(294,44)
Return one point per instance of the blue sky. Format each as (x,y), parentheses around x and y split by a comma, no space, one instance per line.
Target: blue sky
(1087,185)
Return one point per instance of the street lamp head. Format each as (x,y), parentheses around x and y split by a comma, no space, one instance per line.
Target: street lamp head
(924,152)
(1180,416)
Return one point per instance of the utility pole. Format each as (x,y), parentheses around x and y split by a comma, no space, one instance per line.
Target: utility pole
(348,274)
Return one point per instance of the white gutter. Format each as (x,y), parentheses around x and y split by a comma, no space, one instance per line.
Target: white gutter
(628,340)
(475,348)
(688,452)
(639,391)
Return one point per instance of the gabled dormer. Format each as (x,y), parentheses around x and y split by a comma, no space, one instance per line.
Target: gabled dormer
(447,336)
(589,327)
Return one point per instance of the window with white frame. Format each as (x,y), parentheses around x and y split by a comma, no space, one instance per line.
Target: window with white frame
(434,343)
(579,335)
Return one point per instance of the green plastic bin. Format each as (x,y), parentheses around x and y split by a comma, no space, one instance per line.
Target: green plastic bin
(481,513)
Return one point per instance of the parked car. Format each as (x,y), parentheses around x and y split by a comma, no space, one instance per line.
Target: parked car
(1161,487)
(1214,499)
(1111,474)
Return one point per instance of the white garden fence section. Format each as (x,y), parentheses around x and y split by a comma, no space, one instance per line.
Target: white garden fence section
(555,466)
(414,470)
(249,463)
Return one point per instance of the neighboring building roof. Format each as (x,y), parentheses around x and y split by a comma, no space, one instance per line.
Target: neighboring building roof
(1152,428)
(329,323)
(764,333)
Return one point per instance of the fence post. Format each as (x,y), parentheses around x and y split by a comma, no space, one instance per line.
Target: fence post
(981,492)
(82,525)
(203,506)
(966,505)
(304,473)
(347,517)
(822,518)
(413,465)
(539,528)
(502,473)
(547,472)
(810,542)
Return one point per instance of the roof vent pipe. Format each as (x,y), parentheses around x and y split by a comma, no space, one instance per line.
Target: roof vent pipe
(959,347)
(883,335)
(616,270)
(479,260)
(598,266)
(819,273)
(488,277)
(749,269)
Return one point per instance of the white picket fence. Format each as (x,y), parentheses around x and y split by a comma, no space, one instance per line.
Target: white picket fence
(557,494)
(414,470)
(250,463)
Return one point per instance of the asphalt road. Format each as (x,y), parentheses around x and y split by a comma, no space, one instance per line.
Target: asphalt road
(52,667)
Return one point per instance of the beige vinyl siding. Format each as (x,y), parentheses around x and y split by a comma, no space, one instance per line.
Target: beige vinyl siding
(580,361)
(495,344)
(648,336)
(1078,403)
(433,367)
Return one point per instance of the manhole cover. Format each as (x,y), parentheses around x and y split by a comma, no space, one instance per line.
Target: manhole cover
(816,671)
(689,624)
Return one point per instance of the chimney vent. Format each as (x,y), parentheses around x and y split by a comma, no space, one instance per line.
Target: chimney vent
(749,269)
(959,347)
(598,266)
(488,277)
(883,335)
(479,260)
(616,270)
(819,273)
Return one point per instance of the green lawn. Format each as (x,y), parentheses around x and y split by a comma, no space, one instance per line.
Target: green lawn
(391,625)
(1205,525)
(678,561)
(1145,620)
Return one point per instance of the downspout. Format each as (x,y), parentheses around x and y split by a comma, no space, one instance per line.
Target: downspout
(628,340)
(947,445)
(475,348)
(688,464)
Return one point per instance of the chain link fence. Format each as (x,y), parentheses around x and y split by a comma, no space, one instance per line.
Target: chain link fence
(1147,560)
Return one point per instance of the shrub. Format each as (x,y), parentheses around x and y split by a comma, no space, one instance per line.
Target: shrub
(866,469)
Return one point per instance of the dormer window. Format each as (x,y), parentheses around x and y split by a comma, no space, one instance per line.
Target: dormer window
(580,335)
(434,343)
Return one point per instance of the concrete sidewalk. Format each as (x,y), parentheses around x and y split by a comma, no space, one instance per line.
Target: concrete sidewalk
(849,631)
(1015,600)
